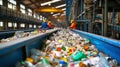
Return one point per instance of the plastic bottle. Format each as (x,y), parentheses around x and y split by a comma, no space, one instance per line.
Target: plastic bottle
(103,62)
(113,63)
(39,64)
(62,63)
(21,64)
(45,62)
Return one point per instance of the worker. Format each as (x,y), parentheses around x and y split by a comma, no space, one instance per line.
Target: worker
(73,24)
(44,24)
(50,25)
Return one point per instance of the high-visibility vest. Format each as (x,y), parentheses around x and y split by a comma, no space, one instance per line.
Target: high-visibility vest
(73,26)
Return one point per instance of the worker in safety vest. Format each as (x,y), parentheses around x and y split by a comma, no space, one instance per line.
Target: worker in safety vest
(73,24)
(50,25)
(44,24)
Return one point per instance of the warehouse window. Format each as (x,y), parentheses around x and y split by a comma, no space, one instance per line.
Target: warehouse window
(12,1)
(29,12)
(12,4)
(9,24)
(30,26)
(35,16)
(43,18)
(15,24)
(1,2)
(1,24)
(34,26)
(22,25)
(22,8)
(40,17)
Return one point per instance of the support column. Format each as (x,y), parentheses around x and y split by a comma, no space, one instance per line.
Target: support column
(5,25)
(105,18)
(90,22)
(93,18)
(113,23)
(82,9)
(103,22)
(26,26)
(18,25)
(5,3)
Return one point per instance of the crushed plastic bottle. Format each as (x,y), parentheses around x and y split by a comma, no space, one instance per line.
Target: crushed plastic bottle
(103,62)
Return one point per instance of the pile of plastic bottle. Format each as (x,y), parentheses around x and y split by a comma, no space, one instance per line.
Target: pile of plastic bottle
(22,34)
(67,49)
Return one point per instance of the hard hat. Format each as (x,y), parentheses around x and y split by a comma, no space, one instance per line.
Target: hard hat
(49,21)
(72,21)
(44,20)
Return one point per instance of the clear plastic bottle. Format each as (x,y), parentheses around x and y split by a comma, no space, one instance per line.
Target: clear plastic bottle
(47,65)
(103,62)
(39,64)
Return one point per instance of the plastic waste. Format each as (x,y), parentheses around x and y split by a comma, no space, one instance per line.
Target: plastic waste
(81,64)
(63,48)
(29,64)
(71,64)
(29,60)
(45,62)
(78,56)
(86,47)
(21,64)
(103,62)
(39,64)
(87,40)
(62,63)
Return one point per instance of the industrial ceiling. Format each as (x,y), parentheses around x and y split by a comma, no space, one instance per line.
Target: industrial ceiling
(36,4)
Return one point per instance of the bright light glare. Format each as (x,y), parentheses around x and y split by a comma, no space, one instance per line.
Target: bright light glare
(64,9)
(56,14)
(61,6)
(63,14)
(49,2)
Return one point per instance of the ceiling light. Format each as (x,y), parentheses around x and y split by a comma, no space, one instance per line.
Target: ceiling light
(58,13)
(49,2)
(64,9)
(51,12)
(55,14)
(63,14)
(60,6)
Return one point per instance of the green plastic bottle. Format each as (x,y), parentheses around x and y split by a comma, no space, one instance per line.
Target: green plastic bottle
(63,48)
(77,56)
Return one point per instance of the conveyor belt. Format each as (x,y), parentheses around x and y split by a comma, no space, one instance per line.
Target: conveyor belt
(109,46)
(14,51)
(19,49)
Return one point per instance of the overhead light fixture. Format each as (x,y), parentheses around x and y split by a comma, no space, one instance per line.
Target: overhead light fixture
(51,12)
(64,9)
(48,9)
(60,6)
(56,14)
(49,2)
(63,14)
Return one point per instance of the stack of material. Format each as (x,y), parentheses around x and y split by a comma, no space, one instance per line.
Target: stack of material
(67,49)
